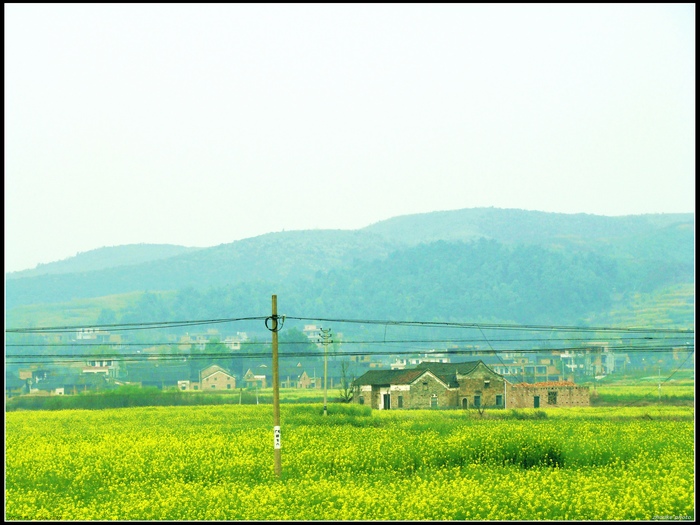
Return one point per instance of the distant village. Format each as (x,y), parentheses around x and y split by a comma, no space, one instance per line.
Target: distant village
(381,381)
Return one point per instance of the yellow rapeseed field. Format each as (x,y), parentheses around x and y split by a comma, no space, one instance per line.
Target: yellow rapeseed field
(216,463)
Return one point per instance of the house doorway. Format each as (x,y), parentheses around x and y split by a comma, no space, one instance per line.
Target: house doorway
(465,403)
(386,401)
(537,401)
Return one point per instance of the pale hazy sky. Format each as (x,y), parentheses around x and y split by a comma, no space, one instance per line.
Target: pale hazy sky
(202,124)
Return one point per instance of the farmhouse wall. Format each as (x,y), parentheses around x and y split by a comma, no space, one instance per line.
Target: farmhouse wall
(485,384)
(424,390)
(218,381)
(366,395)
(523,396)
(464,385)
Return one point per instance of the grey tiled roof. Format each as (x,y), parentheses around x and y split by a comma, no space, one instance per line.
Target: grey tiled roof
(388,377)
(446,372)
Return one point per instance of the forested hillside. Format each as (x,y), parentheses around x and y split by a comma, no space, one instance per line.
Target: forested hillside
(107,257)
(445,281)
(513,226)
(484,264)
(275,257)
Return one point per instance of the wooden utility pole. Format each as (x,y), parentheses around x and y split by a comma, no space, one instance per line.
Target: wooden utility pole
(325,336)
(276,390)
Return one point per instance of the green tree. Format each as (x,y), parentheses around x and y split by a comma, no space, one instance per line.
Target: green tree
(107,316)
(294,343)
(346,381)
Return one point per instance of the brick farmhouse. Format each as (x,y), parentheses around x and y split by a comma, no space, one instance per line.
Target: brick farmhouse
(460,385)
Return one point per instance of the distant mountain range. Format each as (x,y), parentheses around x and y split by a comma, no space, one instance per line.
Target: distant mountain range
(490,263)
(102,258)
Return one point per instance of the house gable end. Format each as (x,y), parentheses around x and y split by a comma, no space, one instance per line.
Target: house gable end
(210,370)
(429,373)
(219,373)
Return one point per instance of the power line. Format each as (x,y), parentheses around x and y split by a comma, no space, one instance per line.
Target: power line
(434,324)
(130,326)
(665,341)
(638,340)
(645,396)
(522,377)
(305,353)
(500,326)
(350,341)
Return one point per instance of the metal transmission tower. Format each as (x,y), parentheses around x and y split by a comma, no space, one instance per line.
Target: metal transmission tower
(325,341)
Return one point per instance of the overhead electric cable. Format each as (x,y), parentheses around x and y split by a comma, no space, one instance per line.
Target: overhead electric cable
(129,326)
(501,326)
(435,324)
(305,353)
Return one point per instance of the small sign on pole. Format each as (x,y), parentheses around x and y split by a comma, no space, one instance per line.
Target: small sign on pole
(278,438)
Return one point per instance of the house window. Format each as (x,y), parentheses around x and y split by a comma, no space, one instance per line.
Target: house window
(362,400)
(183,387)
(552,397)
(499,400)
(400,401)
(425,386)
(196,387)
(228,386)
(487,383)
(433,401)
(213,386)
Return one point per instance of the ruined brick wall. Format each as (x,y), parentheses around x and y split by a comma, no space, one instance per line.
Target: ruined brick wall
(523,396)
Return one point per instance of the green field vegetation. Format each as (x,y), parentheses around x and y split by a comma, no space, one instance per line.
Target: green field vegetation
(640,394)
(216,463)
(670,307)
(134,396)
(82,312)
(643,389)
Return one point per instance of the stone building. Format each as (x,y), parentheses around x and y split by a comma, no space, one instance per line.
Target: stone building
(432,385)
(215,377)
(212,377)
(471,384)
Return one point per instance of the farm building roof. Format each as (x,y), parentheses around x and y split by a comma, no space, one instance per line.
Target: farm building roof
(446,372)
(388,377)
